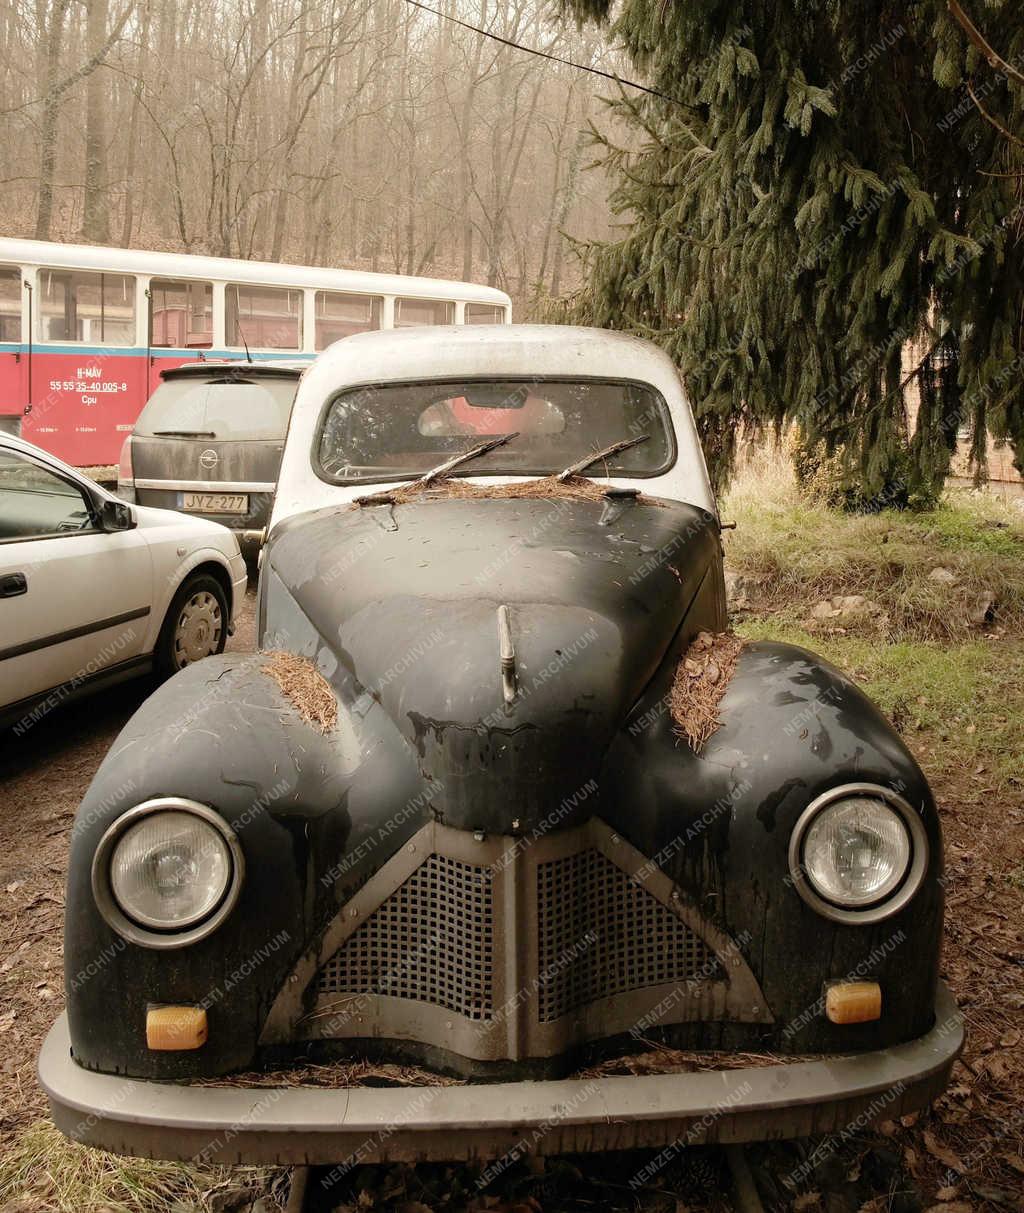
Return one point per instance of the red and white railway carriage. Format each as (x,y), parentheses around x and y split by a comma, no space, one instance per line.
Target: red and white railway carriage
(86,331)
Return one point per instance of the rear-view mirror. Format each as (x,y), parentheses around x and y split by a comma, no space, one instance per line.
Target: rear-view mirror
(116,516)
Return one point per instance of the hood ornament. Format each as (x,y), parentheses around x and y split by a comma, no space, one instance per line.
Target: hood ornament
(508,654)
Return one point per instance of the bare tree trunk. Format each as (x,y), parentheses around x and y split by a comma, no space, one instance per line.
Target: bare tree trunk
(313,75)
(292,124)
(505,174)
(568,197)
(96,213)
(465,142)
(51,112)
(133,127)
(53,100)
(411,151)
(556,178)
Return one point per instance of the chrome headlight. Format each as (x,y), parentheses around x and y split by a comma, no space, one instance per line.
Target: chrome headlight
(858,853)
(167,872)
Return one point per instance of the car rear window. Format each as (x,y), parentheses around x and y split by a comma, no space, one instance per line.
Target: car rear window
(219,407)
(395,431)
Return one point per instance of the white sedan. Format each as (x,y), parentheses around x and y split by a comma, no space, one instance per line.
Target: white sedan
(94,591)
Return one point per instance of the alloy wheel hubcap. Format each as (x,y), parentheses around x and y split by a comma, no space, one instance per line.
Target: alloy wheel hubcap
(197,634)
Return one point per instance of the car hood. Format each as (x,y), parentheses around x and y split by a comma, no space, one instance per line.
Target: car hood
(406,597)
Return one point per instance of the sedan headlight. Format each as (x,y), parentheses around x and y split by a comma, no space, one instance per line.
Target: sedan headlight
(858,853)
(167,872)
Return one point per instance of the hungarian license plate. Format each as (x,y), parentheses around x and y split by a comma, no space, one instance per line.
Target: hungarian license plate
(216,503)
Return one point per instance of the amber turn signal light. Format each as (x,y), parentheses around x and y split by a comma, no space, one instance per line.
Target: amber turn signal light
(174,1028)
(853,1001)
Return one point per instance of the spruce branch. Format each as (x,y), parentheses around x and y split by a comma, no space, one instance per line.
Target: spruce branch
(992,57)
(831,226)
(992,121)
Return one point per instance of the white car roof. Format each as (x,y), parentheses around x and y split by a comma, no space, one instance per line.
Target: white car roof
(457,351)
(484,352)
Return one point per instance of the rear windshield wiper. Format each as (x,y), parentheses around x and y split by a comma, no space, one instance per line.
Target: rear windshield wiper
(450,465)
(582,464)
(184,434)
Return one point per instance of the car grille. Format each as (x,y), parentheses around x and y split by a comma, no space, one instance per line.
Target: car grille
(600,934)
(509,948)
(432,940)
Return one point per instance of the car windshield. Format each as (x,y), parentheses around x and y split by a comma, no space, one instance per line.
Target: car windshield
(219,407)
(397,431)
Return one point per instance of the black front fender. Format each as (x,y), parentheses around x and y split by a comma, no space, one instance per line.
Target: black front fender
(719,823)
(312,814)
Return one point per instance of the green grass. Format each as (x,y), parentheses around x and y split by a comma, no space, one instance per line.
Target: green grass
(43,1172)
(799,553)
(954,690)
(959,707)
(970,523)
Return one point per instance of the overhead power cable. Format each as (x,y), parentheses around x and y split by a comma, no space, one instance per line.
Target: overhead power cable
(532,50)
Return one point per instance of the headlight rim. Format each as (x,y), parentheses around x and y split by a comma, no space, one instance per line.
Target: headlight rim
(107,903)
(905,890)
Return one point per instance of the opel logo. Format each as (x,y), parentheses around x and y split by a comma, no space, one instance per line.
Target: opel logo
(209,459)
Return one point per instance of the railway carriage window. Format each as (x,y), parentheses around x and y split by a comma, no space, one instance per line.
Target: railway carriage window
(182,314)
(263,317)
(96,309)
(339,315)
(484,313)
(411,312)
(10,304)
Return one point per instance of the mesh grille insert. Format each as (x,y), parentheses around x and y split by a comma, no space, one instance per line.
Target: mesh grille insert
(432,941)
(602,934)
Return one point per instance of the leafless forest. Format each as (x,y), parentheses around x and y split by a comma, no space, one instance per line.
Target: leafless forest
(366,133)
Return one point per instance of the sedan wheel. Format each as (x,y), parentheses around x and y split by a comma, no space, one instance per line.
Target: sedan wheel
(198,630)
(195,625)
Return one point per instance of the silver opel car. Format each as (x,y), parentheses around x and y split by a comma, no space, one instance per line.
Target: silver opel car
(209,443)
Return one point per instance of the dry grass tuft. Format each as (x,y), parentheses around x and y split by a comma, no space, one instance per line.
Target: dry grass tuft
(701,680)
(576,488)
(792,554)
(304,686)
(43,1171)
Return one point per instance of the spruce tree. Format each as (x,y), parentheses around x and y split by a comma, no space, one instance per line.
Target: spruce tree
(823,183)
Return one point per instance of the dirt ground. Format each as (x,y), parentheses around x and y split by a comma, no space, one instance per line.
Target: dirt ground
(42,779)
(966,1154)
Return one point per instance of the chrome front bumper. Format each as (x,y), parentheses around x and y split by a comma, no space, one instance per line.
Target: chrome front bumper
(303,1125)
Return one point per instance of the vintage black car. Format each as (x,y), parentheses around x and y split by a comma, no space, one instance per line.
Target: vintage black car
(500,795)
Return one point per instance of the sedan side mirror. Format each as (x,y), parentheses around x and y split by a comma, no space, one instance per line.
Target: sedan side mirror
(116,516)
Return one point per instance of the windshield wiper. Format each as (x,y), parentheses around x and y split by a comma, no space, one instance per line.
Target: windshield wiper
(582,464)
(450,465)
(184,434)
